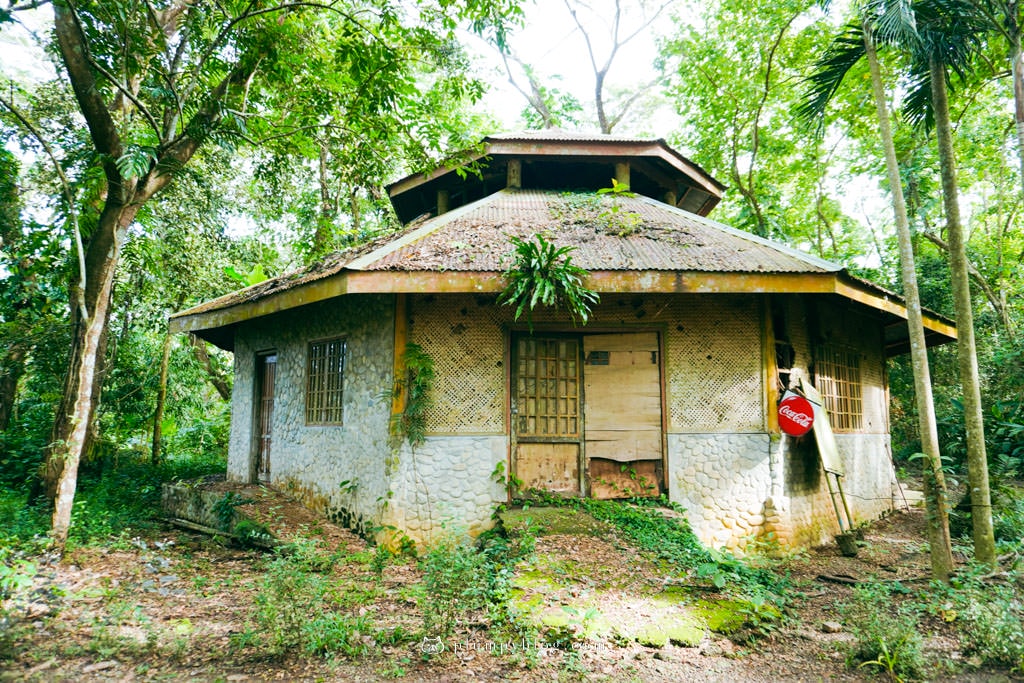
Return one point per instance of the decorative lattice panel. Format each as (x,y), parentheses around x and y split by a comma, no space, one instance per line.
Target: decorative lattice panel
(463,335)
(715,377)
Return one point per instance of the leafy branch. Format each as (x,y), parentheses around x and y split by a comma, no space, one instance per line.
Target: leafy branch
(415,387)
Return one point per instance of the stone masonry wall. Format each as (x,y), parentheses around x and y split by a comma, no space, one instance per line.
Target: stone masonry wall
(723,481)
(310,461)
(445,486)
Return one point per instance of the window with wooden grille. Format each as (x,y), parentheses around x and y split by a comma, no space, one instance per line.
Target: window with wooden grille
(547,387)
(325,375)
(838,380)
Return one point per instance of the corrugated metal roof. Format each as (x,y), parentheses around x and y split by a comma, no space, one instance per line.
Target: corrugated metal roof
(561,135)
(476,238)
(620,233)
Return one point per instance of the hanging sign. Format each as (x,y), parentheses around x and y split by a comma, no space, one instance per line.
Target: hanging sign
(796,415)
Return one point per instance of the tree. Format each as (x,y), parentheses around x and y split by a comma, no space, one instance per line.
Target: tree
(734,75)
(606,28)
(888,23)
(948,38)
(155,82)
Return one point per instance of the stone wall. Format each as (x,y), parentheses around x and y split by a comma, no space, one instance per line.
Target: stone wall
(447,485)
(310,461)
(723,481)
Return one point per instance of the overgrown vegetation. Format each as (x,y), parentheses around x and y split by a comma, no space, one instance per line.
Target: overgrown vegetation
(415,391)
(543,274)
(669,539)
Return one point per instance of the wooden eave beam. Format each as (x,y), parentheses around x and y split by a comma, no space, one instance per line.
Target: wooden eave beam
(604,282)
(638,149)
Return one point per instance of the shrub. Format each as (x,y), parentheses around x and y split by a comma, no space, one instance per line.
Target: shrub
(290,597)
(456,580)
(992,626)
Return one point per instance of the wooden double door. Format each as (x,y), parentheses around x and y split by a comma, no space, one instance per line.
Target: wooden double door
(587,414)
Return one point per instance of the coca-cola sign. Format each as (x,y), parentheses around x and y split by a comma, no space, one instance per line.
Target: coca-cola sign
(796,415)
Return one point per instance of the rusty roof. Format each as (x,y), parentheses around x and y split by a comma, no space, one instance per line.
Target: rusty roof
(476,238)
(608,233)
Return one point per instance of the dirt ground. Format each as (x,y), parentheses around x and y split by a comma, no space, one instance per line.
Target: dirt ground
(172,604)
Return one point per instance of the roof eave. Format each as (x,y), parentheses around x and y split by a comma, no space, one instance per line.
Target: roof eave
(207,323)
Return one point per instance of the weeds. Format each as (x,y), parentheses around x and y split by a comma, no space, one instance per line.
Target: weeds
(885,636)
(456,581)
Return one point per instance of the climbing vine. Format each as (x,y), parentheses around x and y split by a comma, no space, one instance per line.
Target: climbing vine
(415,385)
(544,274)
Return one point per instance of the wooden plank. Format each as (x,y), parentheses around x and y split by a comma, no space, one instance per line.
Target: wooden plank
(549,466)
(609,479)
(623,397)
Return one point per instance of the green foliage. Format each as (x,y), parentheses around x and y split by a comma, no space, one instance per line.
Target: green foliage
(114,499)
(255,276)
(16,576)
(669,538)
(543,274)
(224,509)
(416,391)
(622,223)
(886,636)
(337,634)
(290,597)
(455,583)
(991,625)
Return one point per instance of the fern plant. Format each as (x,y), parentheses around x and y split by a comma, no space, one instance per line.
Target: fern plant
(543,274)
(417,383)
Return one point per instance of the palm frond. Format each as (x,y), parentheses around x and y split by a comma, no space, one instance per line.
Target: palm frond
(895,23)
(845,51)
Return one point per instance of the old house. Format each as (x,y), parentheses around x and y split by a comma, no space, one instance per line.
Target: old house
(670,387)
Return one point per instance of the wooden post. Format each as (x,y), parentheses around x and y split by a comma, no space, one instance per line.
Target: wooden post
(514,174)
(401,339)
(442,202)
(670,198)
(622,172)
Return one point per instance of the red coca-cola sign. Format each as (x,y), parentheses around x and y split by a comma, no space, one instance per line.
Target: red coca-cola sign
(796,415)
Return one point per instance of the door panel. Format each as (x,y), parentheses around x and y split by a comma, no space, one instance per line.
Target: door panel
(546,406)
(550,467)
(623,397)
(622,411)
(266,371)
(609,479)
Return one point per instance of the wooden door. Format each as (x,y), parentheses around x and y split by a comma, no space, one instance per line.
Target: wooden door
(266,369)
(623,433)
(546,413)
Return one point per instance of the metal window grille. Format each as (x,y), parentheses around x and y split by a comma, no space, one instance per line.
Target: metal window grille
(547,387)
(325,382)
(839,382)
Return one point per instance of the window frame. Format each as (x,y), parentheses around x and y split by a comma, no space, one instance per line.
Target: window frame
(839,380)
(325,406)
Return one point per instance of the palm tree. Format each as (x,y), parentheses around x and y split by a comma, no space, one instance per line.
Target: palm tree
(948,38)
(885,23)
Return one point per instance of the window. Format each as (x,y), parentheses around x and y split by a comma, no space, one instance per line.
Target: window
(325,382)
(838,375)
(547,387)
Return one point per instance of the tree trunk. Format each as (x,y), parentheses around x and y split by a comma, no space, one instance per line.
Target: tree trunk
(11,369)
(936,497)
(216,379)
(104,242)
(100,272)
(161,397)
(977,460)
(1017,73)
